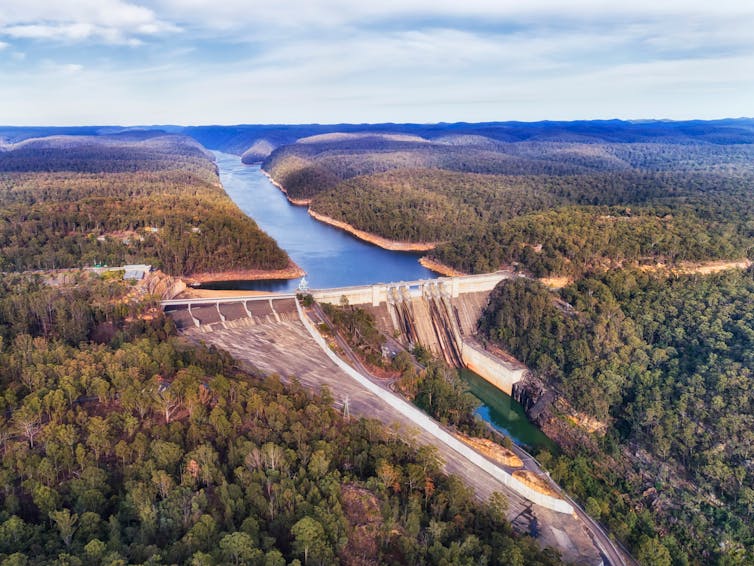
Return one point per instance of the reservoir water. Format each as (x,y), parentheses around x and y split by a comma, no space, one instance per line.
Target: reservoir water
(330,257)
(334,258)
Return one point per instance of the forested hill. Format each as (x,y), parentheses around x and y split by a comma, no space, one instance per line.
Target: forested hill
(666,363)
(132,197)
(240,138)
(562,200)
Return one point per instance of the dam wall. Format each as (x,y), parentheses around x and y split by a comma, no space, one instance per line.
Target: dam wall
(440,314)
(373,295)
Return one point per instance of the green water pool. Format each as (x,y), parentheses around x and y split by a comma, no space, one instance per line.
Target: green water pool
(505,414)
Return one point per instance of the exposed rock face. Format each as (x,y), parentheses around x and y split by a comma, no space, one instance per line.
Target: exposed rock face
(554,415)
(164,286)
(536,398)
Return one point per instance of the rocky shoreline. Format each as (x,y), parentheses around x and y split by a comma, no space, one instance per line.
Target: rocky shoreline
(441,268)
(293,271)
(384,243)
(296,201)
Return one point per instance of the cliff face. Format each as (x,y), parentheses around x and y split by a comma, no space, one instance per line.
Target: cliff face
(164,286)
(535,397)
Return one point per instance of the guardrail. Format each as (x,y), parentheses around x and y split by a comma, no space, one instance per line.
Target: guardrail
(239,299)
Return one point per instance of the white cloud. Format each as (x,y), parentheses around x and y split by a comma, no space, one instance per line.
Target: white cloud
(393,60)
(300,14)
(3,45)
(109,21)
(71,68)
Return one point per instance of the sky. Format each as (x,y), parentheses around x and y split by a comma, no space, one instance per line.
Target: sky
(131,62)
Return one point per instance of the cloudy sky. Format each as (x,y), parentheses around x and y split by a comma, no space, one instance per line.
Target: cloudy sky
(66,62)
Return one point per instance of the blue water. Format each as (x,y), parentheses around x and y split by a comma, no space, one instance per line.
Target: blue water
(330,257)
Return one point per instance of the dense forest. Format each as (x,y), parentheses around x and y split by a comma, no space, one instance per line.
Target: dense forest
(124,444)
(546,204)
(667,363)
(139,197)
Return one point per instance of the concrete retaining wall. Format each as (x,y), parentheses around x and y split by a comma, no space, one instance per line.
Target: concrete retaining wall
(364,295)
(499,373)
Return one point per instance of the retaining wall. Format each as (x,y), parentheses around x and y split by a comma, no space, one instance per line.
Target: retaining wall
(437,431)
(498,372)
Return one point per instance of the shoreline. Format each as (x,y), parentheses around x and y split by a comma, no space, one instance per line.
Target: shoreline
(294,201)
(293,271)
(379,241)
(441,268)
(392,245)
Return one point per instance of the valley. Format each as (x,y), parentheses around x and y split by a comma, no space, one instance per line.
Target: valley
(637,353)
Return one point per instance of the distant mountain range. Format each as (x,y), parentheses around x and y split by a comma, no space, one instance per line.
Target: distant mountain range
(265,138)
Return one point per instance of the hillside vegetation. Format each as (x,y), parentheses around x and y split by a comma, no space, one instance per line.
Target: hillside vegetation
(556,202)
(135,447)
(667,363)
(138,197)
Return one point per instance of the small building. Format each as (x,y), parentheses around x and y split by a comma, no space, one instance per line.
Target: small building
(135,272)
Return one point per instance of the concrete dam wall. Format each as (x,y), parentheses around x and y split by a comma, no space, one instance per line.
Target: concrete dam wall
(379,292)
(440,314)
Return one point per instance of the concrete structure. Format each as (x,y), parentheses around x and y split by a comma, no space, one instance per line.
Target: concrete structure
(379,293)
(500,373)
(206,315)
(440,314)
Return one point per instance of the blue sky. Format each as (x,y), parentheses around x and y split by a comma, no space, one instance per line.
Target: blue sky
(65,62)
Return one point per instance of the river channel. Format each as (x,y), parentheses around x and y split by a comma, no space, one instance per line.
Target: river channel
(330,257)
(334,258)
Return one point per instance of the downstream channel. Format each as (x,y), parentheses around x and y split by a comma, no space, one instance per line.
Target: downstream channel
(334,258)
(506,415)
